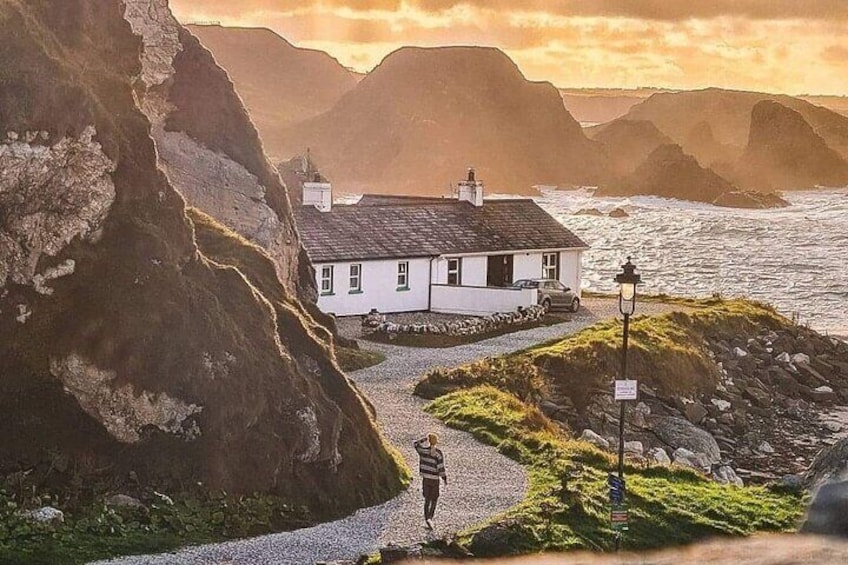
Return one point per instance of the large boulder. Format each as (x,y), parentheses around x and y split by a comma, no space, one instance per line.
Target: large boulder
(677,432)
(828,512)
(142,354)
(831,464)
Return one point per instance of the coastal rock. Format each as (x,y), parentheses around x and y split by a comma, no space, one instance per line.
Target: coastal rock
(751,199)
(619,213)
(659,455)
(670,173)
(830,465)
(686,458)
(726,475)
(828,512)
(591,437)
(679,433)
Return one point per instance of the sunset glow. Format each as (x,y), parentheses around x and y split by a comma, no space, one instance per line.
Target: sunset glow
(778,46)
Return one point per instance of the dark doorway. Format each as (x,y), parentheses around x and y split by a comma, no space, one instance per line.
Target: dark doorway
(499,272)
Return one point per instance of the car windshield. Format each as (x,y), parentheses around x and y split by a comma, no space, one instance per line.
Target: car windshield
(527,284)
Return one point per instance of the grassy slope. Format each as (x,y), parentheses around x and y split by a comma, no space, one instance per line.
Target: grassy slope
(567,507)
(666,352)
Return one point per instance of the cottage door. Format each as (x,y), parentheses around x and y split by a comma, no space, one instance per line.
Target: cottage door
(499,272)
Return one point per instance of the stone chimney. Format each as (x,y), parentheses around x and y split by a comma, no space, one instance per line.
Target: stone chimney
(471,189)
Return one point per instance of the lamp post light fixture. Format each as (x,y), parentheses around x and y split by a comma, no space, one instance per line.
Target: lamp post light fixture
(627,281)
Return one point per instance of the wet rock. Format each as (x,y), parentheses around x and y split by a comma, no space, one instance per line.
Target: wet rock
(591,437)
(619,213)
(589,212)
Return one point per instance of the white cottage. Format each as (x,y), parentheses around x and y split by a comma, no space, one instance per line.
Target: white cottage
(451,255)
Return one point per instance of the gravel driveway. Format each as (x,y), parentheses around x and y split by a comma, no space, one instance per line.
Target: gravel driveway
(482,483)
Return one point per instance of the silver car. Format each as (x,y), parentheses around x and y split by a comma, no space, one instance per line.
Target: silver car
(552,293)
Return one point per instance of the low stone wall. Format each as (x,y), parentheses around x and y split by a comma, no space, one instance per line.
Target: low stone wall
(468,326)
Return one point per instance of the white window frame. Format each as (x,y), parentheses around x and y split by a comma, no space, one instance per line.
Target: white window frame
(403,275)
(455,270)
(548,265)
(355,278)
(326,281)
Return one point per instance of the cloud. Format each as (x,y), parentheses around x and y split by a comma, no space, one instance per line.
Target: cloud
(776,45)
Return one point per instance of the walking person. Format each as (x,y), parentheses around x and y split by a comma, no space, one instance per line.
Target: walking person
(431,465)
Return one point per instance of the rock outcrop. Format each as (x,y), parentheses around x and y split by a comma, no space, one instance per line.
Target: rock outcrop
(280,84)
(125,351)
(628,143)
(785,152)
(424,114)
(728,114)
(670,173)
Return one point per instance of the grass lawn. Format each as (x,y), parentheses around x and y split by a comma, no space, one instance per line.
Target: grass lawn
(567,506)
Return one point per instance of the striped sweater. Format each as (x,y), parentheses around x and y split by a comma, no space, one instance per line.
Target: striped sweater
(431,460)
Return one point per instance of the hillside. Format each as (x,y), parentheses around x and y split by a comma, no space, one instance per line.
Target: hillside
(418,120)
(628,143)
(132,359)
(280,84)
(784,152)
(601,105)
(728,114)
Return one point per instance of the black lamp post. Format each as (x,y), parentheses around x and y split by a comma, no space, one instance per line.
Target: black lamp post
(627,281)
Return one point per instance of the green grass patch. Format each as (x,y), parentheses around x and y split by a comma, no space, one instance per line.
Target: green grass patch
(95,531)
(350,359)
(566,507)
(667,352)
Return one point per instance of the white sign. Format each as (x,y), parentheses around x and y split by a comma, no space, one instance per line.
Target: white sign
(626,390)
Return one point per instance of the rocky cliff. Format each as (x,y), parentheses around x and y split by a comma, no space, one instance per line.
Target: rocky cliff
(785,152)
(125,351)
(280,84)
(423,116)
(671,173)
(728,113)
(628,143)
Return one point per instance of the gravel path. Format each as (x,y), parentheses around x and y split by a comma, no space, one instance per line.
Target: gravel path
(482,483)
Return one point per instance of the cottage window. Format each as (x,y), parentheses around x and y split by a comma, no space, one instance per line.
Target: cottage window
(550,266)
(327,280)
(403,275)
(455,272)
(356,278)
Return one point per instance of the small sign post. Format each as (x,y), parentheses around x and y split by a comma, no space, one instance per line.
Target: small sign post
(619,517)
(626,390)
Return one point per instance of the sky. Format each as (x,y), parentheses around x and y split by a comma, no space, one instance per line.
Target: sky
(785,46)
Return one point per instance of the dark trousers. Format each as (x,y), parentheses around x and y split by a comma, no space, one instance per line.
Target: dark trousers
(431,497)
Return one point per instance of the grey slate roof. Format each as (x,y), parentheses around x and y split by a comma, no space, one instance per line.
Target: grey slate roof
(385,229)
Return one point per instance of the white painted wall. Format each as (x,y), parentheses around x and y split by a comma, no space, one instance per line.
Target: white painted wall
(571,270)
(480,301)
(527,266)
(379,288)
(474,270)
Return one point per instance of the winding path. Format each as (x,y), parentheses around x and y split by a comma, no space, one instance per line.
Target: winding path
(482,483)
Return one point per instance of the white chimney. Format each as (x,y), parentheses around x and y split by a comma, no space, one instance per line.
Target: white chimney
(471,189)
(318,194)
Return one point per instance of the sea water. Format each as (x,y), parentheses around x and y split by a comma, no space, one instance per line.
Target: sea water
(795,258)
